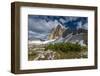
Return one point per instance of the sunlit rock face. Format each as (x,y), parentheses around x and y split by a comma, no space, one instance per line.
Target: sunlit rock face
(56,32)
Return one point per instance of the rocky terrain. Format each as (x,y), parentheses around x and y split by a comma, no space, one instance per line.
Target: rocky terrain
(59,34)
(56,32)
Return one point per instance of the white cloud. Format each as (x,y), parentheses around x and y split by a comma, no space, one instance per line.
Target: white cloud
(62,20)
(38,25)
(34,35)
(79,25)
(70,19)
(84,26)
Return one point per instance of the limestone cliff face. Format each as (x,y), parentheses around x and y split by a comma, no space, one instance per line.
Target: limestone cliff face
(56,32)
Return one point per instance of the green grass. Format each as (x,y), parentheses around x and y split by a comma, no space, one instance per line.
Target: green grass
(67,50)
(64,47)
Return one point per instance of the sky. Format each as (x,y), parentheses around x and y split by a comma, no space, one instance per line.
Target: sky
(39,26)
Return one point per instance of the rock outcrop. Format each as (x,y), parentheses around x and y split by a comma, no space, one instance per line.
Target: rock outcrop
(56,32)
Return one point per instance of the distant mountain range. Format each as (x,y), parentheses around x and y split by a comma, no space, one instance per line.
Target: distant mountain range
(62,34)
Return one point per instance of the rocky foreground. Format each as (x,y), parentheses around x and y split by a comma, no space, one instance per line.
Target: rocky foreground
(39,53)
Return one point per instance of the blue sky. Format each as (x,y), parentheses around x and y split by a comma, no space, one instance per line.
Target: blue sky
(40,26)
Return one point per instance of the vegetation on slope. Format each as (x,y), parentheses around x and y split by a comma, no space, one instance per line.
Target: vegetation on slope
(64,47)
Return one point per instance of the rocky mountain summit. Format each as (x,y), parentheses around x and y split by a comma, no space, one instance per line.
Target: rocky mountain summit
(56,32)
(62,34)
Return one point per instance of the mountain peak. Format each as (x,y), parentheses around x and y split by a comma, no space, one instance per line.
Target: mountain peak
(56,32)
